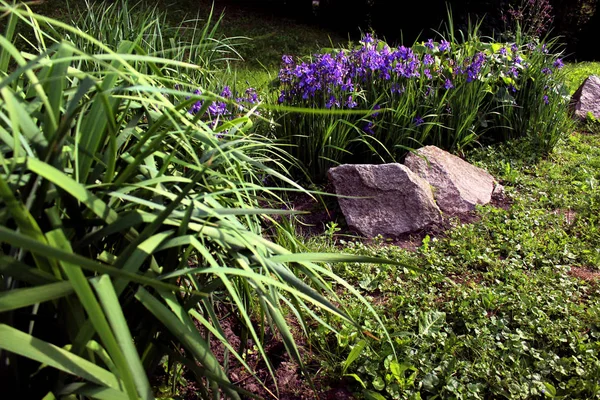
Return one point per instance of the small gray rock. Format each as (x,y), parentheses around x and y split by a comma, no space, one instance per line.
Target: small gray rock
(498,190)
(393,200)
(457,185)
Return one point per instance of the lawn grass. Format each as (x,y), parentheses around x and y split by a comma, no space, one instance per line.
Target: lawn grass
(577,72)
(268,34)
(264,35)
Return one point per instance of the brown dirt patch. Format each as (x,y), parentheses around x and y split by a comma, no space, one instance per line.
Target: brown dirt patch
(567,214)
(585,274)
(291,383)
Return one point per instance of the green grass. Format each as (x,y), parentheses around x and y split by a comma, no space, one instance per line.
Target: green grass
(498,313)
(577,72)
(267,35)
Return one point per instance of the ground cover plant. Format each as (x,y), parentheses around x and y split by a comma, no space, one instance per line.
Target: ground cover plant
(576,73)
(510,304)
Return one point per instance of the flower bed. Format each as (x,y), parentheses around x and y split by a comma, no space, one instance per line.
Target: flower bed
(443,93)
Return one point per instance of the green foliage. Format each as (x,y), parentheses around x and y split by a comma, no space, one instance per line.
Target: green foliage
(192,41)
(592,124)
(502,312)
(376,102)
(127,223)
(576,73)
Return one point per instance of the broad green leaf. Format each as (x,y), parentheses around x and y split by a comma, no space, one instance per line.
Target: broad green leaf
(96,123)
(73,188)
(54,86)
(191,339)
(26,224)
(22,272)
(550,390)
(333,257)
(370,395)
(114,313)
(357,378)
(28,346)
(354,354)
(19,298)
(24,242)
(93,391)
(95,313)
(431,322)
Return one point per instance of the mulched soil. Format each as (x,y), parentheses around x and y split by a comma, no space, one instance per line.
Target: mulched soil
(291,385)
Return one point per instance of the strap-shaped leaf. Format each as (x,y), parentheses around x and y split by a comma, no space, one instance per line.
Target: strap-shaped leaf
(19,298)
(114,313)
(43,352)
(22,272)
(93,391)
(191,339)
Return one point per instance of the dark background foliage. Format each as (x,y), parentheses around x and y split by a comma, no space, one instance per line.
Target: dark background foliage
(576,21)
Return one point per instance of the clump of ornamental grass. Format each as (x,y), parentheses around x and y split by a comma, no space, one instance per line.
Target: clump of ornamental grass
(127,225)
(375,101)
(194,40)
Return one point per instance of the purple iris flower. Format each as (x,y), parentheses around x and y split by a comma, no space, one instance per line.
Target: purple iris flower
(196,107)
(397,88)
(367,39)
(332,102)
(251,96)
(226,92)
(376,107)
(444,45)
(448,84)
(368,128)
(418,120)
(558,64)
(217,108)
(351,103)
(287,60)
(429,44)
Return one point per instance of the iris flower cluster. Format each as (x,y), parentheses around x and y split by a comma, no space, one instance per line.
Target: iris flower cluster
(334,80)
(338,77)
(219,111)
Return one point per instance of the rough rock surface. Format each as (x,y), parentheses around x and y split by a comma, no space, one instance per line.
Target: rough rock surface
(457,185)
(393,200)
(587,98)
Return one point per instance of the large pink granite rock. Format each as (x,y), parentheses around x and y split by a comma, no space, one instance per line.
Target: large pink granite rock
(587,98)
(393,200)
(457,185)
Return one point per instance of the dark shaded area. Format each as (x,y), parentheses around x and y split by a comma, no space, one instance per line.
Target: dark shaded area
(576,22)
